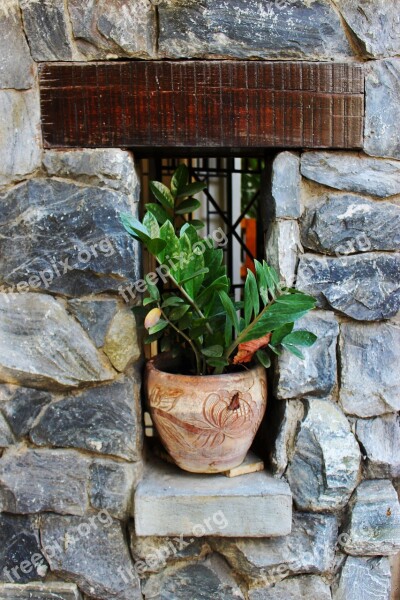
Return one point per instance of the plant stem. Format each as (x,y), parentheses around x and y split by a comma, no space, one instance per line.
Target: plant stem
(189,341)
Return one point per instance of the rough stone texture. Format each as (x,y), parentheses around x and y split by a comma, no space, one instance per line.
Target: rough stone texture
(375,24)
(48,30)
(101,167)
(95,316)
(103,419)
(6,436)
(33,481)
(121,343)
(202,581)
(284,197)
(20,152)
(316,374)
(282,453)
(325,466)
(256,505)
(347,224)
(353,172)
(111,486)
(92,554)
(151,554)
(305,586)
(65,238)
(364,579)
(370,383)
(19,542)
(308,549)
(366,288)
(40,591)
(16,65)
(382,86)
(282,244)
(380,440)
(373,521)
(42,346)
(114,28)
(242,29)
(22,406)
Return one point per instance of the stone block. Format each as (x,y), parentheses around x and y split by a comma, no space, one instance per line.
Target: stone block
(297,588)
(292,415)
(353,172)
(111,486)
(348,224)
(372,526)
(20,147)
(95,316)
(369,381)
(364,579)
(21,406)
(382,88)
(21,558)
(282,247)
(325,466)
(104,420)
(171,502)
(375,25)
(208,579)
(310,548)
(16,65)
(380,441)
(241,29)
(6,436)
(91,553)
(365,287)
(114,28)
(316,374)
(283,200)
(121,344)
(42,346)
(54,590)
(65,238)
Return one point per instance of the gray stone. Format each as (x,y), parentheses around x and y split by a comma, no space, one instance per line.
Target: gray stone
(20,151)
(293,413)
(104,419)
(93,554)
(369,380)
(310,548)
(364,579)
(121,344)
(22,406)
(42,346)
(375,25)
(316,374)
(306,587)
(200,581)
(347,224)
(373,521)
(48,30)
(353,172)
(380,440)
(95,316)
(325,466)
(40,591)
(366,288)
(21,558)
(61,237)
(256,505)
(16,64)
(33,481)
(111,486)
(382,86)
(6,436)
(111,168)
(289,30)
(283,200)
(114,28)
(282,247)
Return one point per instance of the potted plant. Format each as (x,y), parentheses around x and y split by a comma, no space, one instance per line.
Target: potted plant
(206,390)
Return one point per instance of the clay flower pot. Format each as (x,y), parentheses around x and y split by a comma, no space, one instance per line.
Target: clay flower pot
(207,424)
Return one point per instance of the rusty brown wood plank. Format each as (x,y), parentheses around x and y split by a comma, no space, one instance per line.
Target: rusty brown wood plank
(202,104)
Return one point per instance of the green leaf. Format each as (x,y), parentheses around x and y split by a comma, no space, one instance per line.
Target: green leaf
(280,333)
(188,206)
(194,275)
(217,362)
(162,193)
(152,289)
(300,338)
(197,224)
(135,228)
(151,224)
(230,309)
(264,358)
(274,350)
(251,297)
(172,249)
(192,189)
(297,300)
(190,231)
(158,211)
(293,350)
(172,301)
(262,282)
(179,179)
(178,312)
(155,247)
(148,301)
(158,327)
(213,351)
(276,315)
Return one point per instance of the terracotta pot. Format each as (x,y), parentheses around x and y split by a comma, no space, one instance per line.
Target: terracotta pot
(207,424)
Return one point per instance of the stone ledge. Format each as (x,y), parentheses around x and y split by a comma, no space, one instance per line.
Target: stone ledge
(169,501)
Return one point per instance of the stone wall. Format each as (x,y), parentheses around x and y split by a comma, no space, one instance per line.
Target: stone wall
(70,420)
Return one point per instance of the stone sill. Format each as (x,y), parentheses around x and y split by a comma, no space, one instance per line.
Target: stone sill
(172,502)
